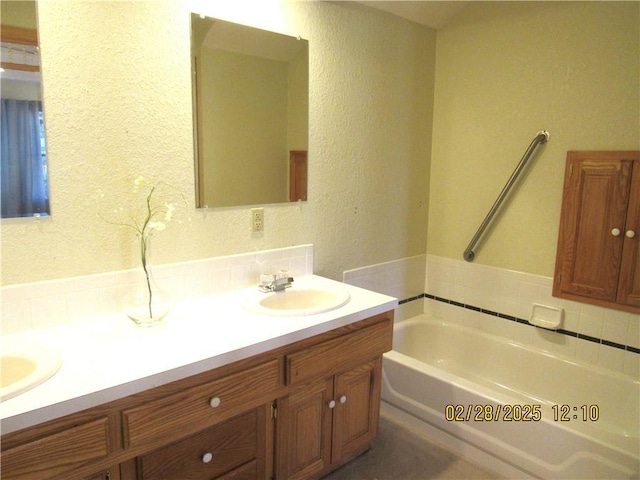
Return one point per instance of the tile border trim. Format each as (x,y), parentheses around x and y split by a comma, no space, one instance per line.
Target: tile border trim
(504,316)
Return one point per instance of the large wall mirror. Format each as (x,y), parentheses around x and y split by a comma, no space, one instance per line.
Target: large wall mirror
(23,162)
(251,104)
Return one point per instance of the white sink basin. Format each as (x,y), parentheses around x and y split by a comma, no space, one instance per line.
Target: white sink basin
(25,365)
(298,301)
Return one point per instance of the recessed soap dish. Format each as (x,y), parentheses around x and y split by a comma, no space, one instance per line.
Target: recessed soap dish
(546,317)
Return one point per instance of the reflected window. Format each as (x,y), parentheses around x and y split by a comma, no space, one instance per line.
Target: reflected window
(23,161)
(24,190)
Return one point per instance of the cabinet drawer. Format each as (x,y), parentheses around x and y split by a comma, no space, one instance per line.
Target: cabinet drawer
(57,454)
(248,471)
(208,454)
(196,408)
(340,353)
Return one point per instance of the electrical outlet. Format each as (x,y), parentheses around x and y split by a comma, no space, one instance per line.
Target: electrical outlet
(257,219)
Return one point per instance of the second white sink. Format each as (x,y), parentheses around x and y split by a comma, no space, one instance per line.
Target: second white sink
(299,301)
(24,366)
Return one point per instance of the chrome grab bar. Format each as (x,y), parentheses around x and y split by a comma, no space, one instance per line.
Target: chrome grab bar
(541,137)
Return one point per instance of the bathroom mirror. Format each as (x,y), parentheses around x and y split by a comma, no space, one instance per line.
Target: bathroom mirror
(250,104)
(23,161)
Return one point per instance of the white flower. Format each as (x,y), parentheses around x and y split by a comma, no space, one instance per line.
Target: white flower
(159,226)
(170,209)
(153,215)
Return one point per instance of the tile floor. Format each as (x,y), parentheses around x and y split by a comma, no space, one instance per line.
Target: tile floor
(402,454)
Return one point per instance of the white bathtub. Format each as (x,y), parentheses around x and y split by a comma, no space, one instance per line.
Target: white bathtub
(478,389)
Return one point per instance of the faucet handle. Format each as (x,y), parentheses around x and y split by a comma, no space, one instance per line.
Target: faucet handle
(282,274)
(267,278)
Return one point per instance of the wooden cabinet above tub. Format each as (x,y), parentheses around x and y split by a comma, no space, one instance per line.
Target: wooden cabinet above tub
(598,257)
(217,424)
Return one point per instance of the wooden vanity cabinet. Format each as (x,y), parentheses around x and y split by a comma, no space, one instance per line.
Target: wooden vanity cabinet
(297,411)
(325,423)
(598,257)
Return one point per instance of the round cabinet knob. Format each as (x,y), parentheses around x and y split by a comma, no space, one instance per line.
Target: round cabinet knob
(615,232)
(332,404)
(207,457)
(630,234)
(215,402)
(343,399)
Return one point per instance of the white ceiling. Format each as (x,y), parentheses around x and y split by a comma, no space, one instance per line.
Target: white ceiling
(434,14)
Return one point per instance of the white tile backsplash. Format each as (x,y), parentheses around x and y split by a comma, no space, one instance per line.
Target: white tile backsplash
(591,325)
(403,279)
(513,293)
(506,293)
(633,335)
(42,304)
(615,328)
(632,364)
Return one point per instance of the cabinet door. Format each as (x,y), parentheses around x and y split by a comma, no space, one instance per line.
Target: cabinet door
(355,421)
(629,286)
(593,216)
(304,432)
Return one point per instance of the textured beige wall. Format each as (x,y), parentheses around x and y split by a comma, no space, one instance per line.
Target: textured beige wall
(117,94)
(504,71)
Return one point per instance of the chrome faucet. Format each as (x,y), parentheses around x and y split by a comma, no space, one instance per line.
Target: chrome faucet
(275,282)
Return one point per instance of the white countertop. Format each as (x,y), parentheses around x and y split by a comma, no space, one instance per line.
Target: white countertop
(108,358)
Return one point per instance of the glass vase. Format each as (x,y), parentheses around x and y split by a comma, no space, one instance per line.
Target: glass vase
(146,303)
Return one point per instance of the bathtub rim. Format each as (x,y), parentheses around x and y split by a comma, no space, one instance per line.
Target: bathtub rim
(425,317)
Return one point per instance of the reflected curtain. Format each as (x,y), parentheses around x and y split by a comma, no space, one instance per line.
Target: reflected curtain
(23,184)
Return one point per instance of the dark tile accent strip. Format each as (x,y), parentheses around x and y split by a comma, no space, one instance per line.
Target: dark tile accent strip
(567,332)
(406,300)
(588,338)
(613,344)
(504,316)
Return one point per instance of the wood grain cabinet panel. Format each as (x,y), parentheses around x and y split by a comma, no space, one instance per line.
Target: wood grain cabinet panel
(207,455)
(112,473)
(304,432)
(326,423)
(54,455)
(629,281)
(598,255)
(248,471)
(343,352)
(355,421)
(199,407)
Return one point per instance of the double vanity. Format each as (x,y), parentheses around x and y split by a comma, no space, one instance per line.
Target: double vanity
(239,384)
